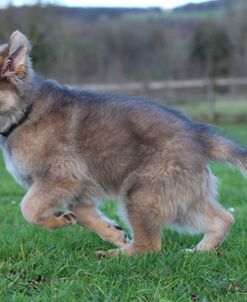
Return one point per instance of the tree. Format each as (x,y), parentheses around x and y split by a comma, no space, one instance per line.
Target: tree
(212,49)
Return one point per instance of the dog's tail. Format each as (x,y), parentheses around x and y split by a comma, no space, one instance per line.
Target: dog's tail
(225,150)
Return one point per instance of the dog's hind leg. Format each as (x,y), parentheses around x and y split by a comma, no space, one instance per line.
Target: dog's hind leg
(41,204)
(207,216)
(217,222)
(92,219)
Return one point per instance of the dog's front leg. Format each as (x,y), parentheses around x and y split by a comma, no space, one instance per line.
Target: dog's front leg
(92,219)
(41,203)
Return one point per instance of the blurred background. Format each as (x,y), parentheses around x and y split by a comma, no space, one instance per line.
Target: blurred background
(189,55)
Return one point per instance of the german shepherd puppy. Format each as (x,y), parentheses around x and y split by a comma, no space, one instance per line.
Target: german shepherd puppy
(72,148)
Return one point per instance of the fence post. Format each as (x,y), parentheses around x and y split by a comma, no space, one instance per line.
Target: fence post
(210,99)
(146,87)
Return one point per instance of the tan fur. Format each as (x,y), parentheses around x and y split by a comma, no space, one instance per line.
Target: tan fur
(75,148)
(21,71)
(93,220)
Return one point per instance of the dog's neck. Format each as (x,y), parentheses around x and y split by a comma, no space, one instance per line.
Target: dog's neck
(17,122)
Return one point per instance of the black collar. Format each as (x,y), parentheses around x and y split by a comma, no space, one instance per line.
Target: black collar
(12,127)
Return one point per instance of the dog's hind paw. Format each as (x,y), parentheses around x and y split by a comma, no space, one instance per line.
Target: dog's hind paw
(193,250)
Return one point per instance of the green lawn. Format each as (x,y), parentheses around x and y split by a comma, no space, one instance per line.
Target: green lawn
(223,106)
(41,265)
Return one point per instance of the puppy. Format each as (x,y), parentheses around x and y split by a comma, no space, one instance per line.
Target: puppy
(73,148)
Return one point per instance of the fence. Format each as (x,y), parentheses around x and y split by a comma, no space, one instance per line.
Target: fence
(209,87)
(202,83)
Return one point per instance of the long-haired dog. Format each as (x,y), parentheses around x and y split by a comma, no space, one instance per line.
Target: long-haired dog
(72,148)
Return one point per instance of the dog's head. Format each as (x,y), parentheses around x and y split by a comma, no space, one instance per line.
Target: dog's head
(15,76)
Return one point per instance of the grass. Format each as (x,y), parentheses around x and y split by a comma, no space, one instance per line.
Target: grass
(40,265)
(223,106)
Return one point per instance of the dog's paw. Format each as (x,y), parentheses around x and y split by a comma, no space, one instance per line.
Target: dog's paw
(121,238)
(101,255)
(109,254)
(67,216)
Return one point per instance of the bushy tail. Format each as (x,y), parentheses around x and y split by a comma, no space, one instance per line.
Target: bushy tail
(222,149)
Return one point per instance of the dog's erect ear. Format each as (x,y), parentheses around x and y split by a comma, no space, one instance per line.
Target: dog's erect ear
(17,62)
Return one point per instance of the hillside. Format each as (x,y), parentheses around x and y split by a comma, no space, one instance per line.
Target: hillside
(204,6)
(92,15)
(78,45)
(84,14)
